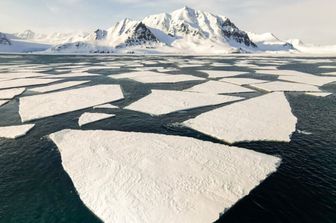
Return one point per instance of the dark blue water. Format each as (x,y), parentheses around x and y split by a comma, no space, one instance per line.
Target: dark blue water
(35,188)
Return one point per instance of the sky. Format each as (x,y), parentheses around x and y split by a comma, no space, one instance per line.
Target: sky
(313,21)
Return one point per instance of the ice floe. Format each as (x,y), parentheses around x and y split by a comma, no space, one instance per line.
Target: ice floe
(284,86)
(221,73)
(50,104)
(318,94)
(217,87)
(60,86)
(264,118)
(309,79)
(89,117)
(25,82)
(75,74)
(161,102)
(108,106)
(10,76)
(3,102)
(11,93)
(243,81)
(15,131)
(142,177)
(155,77)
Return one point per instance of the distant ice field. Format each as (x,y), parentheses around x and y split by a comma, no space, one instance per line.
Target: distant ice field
(167,138)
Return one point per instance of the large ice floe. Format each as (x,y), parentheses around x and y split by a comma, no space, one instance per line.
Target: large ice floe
(10,76)
(50,104)
(217,87)
(148,77)
(285,86)
(73,75)
(243,81)
(11,93)
(222,73)
(309,79)
(60,86)
(89,117)
(264,118)
(15,131)
(128,177)
(25,82)
(161,102)
(3,102)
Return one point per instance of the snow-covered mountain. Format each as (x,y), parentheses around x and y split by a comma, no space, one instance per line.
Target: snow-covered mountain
(269,42)
(184,31)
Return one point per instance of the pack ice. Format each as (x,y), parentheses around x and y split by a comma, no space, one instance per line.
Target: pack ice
(148,77)
(217,87)
(89,117)
(161,102)
(15,131)
(264,118)
(60,86)
(128,177)
(11,93)
(50,104)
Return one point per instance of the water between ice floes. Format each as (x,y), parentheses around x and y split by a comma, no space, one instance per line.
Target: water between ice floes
(35,188)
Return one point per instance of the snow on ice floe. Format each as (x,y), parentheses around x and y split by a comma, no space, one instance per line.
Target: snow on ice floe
(217,87)
(3,102)
(222,73)
(60,86)
(284,86)
(50,104)
(11,93)
(74,74)
(144,177)
(309,79)
(330,74)
(318,94)
(243,81)
(155,77)
(10,76)
(15,131)
(108,106)
(161,102)
(89,117)
(25,82)
(264,118)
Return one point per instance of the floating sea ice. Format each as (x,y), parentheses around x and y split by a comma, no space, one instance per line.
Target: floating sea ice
(330,74)
(3,102)
(88,117)
(318,94)
(11,93)
(10,76)
(108,106)
(161,102)
(15,131)
(222,73)
(264,118)
(282,72)
(55,87)
(189,65)
(217,87)
(155,77)
(285,86)
(327,67)
(142,177)
(221,65)
(50,104)
(242,81)
(74,74)
(25,82)
(309,79)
